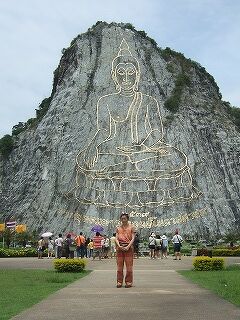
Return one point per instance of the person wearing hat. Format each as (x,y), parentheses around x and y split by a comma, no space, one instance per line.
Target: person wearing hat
(164,246)
(152,245)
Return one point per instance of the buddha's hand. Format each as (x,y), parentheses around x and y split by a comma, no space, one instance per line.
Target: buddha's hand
(132,148)
(91,156)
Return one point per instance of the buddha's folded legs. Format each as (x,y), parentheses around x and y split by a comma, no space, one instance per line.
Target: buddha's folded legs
(171,160)
(112,162)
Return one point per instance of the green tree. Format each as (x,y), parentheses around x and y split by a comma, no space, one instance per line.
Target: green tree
(23,238)
(6,145)
(8,235)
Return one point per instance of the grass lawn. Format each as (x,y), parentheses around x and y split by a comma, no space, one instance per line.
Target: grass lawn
(20,289)
(225,283)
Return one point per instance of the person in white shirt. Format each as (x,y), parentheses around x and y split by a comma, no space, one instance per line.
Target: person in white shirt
(106,247)
(59,244)
(113,245)
(177,243)
(152,245)
(50,247)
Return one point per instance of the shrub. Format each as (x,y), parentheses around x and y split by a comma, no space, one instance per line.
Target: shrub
(9,253)
(18,128)
(208,264)
(186,251)
(142,33)
(43,108)
(217,263)
(129,26)
(69,265)
(202,264)
(234,113)
(6,145)
(204,252)
(226,252)
(173,102)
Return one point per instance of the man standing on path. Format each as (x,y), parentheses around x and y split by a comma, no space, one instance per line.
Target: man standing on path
(80,241)
(59,243)
(177,243)
(124,241)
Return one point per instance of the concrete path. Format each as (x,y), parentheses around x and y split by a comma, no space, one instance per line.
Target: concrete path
(159,292)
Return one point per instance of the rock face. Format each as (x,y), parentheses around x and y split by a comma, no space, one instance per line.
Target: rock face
(132,128)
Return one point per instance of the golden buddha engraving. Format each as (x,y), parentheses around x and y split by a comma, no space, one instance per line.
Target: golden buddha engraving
(127,163)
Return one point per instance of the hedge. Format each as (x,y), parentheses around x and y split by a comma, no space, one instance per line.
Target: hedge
(204,252)
(208,264)
(226,252)
(28,252)
(69,265)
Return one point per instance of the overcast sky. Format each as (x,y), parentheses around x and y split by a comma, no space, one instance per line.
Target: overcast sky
(33,33)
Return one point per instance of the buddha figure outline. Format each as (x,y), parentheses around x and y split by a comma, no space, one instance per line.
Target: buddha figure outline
(127,163)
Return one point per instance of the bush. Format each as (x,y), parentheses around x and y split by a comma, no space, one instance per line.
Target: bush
(173,102)
(202,264)
(204,252)
(186,251)
(18,128)
(69,265)
(142,33)
(234,113)
(43,108)
(208,264)
(6,145)
(226,252)
(217,263)
(129,26)
(9,253)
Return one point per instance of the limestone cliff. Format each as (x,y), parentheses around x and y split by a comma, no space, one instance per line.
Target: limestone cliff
(49,182)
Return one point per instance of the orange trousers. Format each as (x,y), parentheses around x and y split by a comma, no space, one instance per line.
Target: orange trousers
(125,257)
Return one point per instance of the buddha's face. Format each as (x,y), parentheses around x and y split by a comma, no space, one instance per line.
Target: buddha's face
(126,75)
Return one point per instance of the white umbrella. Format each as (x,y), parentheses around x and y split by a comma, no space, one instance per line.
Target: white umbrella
(47,234)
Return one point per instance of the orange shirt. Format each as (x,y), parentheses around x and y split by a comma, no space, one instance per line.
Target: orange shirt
(125,234)
(80,240)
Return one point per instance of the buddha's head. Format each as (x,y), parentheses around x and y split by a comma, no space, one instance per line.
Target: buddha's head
(125,69)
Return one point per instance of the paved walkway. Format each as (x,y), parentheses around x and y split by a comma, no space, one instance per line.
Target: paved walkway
(159,292)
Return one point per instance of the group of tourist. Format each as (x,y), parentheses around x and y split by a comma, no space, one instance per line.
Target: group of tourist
(100,246)
(158,246)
